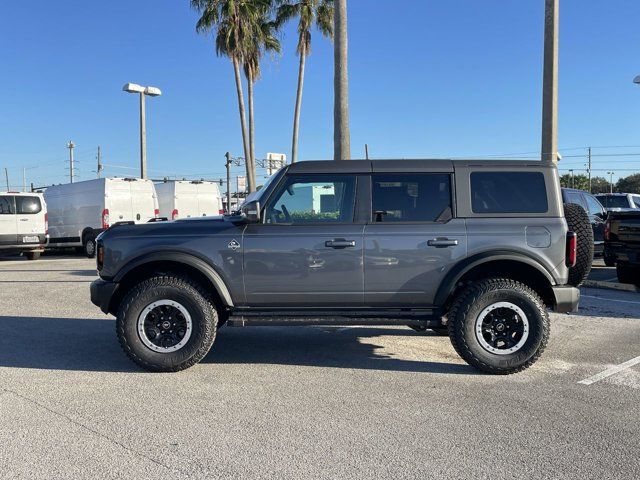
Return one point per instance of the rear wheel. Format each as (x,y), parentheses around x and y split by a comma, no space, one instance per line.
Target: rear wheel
(499,326)
(89,244)
(32,255)
(578,222)
(609,261)
(166,323)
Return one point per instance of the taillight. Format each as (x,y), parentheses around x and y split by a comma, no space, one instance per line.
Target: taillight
(221,212)
(174,214)
(105,218)
(572,249)
(46,224)
(607,230)
(100,256)
(156,212)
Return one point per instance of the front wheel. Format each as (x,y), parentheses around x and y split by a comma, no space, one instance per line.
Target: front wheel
(499,326)
(166,323)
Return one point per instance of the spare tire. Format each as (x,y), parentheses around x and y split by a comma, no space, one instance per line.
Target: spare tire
(578,222)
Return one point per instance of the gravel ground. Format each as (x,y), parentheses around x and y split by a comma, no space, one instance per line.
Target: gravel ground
(305,402)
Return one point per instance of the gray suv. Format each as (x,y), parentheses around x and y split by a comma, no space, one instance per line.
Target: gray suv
(480,250)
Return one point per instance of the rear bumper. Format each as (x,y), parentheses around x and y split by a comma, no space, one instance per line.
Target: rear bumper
(566,299)
(102,292)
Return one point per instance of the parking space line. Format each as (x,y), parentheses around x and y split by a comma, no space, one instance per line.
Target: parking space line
(610,371)
(610,299)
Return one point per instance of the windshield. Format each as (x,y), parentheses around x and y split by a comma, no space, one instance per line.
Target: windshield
(258,193)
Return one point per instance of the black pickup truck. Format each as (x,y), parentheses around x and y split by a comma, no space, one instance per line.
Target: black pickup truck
(622,244)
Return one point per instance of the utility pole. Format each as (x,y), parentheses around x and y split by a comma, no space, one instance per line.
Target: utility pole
(589,167)
(228,165)
(366,151)
(341,135)
(572,183)
(70,146)
(6,175)
(611,181)
(99,162)
(550,83)
(24,179)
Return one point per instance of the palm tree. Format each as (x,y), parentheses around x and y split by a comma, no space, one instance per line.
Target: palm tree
(261,41)
(309,13)
(234,22)
(341,138)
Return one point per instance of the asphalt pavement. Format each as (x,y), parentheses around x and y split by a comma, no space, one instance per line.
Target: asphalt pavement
(312,402)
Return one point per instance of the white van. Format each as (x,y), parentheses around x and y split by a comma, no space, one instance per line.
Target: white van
(23,224)
(184,198)
(79,211)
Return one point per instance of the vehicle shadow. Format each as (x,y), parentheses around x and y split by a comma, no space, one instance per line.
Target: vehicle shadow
(90,345)
(323,347)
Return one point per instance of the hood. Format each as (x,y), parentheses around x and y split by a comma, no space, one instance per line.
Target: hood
(198,226)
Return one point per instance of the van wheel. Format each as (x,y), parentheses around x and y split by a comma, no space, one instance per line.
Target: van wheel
(89,245)
(499,326)
(578,222)
(32,255)
(166,323)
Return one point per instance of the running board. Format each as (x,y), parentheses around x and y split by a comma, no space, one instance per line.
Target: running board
(425,318)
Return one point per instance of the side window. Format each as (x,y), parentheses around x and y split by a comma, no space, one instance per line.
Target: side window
(304,199)
(594,207)
(508,192)
(6,205)
(411,198)
(28,205)
(636,200)
(576,198)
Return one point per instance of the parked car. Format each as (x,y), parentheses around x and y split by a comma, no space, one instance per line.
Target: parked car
(595,210)
(185,199)
(79,211)
(622,244)
(479,248)
(619,201)
(23,224)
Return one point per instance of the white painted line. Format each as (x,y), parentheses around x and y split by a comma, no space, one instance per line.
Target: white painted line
(609,299)
(610,371)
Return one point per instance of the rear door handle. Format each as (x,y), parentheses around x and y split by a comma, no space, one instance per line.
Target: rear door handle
(24,219)
(442,242)
(339,243)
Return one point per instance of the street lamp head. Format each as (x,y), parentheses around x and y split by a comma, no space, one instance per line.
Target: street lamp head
(152,91)
(637,80)
(133,88)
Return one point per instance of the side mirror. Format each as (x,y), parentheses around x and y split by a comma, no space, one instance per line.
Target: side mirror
(251,211)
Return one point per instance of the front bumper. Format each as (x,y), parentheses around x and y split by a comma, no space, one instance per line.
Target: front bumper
(566,299)
(102,292)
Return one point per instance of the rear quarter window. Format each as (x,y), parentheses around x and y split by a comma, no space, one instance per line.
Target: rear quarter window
(508,192)
(6,205)
(28,205)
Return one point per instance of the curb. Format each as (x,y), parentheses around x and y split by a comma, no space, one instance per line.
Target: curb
(625,287)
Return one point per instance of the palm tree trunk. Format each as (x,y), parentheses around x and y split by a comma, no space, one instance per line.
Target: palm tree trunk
(296,115)
(243,121)
(341,136)
(252,127)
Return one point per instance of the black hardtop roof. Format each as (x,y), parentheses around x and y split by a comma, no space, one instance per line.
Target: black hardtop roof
(398,166)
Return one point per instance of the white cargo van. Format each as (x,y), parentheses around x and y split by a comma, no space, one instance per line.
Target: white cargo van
(23,224)
(184,198)
(79,211)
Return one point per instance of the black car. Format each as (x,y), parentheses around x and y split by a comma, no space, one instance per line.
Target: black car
(595,210)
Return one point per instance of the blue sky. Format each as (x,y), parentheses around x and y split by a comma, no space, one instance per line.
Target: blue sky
(427,79)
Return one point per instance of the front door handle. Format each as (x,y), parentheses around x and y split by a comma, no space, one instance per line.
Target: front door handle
(339,243)
(442,242)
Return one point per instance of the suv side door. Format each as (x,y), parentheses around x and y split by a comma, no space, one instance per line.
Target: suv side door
(307,250)
(413,238)
(8,222)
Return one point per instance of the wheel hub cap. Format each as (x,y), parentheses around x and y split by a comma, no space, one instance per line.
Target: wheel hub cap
(502,328)
(164,326)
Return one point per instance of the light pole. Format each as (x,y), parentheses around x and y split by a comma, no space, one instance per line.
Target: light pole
(550,83)
(143,91)
(610,181)
(571,172)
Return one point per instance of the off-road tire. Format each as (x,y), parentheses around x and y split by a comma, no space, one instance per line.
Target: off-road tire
(89,245)
(578,222)
(628,274)
(179,289)
(468,305)
(32,255)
